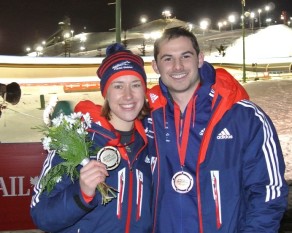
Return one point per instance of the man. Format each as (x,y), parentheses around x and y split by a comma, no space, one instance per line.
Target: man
(216,157)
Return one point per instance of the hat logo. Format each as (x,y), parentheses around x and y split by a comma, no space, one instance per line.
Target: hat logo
(122,65)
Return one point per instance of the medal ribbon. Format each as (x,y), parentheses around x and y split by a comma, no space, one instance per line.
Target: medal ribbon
(183,129)
(122,148)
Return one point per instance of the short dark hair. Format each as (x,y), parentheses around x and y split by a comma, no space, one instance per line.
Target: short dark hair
(106,111)
(175,32)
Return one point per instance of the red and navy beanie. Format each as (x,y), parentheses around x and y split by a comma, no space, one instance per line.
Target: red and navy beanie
(119,62)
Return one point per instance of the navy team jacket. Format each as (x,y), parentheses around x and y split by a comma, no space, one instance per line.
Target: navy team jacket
(233,157)
(64,209)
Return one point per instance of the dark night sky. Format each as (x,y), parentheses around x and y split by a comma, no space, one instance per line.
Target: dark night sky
(26,22)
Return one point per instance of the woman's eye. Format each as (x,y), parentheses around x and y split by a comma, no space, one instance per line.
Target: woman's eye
(137,85)
(118,86)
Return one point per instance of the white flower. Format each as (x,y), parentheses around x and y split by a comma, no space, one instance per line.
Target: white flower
(81,131)
(58,179)
(71,119)
(76,115)
(67,136)
(87,120)
(46,143)
(58,120)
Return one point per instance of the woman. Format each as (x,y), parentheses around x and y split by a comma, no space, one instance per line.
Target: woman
(121,160)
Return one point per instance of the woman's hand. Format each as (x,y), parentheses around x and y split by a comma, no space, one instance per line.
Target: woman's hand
(92,174)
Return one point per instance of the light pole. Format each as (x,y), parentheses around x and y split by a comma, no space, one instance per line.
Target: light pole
(143,19)
(260,22)
(220,24)
(143,47)
(243,41)
(149,37)
(118,20)
(224,24)
(267,8)
(39,50)
(67,45)
(204,26)
(252,20)
(268,21)
(28,49)
(83,39)
(231,20)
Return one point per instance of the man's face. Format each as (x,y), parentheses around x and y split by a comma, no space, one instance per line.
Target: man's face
(178,63)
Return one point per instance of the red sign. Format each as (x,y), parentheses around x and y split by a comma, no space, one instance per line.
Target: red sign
(20,166)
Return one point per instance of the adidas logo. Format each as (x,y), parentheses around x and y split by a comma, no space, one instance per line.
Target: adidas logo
(224,134)
(202,132)
(153,97)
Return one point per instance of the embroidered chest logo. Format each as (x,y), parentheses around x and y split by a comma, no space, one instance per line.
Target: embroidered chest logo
(153,97)
(224,134)
(202,132)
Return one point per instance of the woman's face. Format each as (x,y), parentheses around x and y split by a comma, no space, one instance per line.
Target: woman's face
(125,96)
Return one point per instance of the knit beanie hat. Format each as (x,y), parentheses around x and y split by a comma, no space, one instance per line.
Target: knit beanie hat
(119,62)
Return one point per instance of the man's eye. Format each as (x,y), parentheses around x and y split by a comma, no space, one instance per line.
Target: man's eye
(167,59)
(186,56)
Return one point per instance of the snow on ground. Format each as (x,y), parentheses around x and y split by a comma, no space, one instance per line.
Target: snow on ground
(270,44)
(274,97)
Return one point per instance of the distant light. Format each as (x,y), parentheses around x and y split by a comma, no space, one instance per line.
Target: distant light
(190,26)
(143,19)
(231,18)
(152,35)
(156,35)
(166,14)
(204,24)
(39,48)
(66,35)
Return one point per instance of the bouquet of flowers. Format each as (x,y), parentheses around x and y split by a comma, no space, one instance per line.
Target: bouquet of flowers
(67,136)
